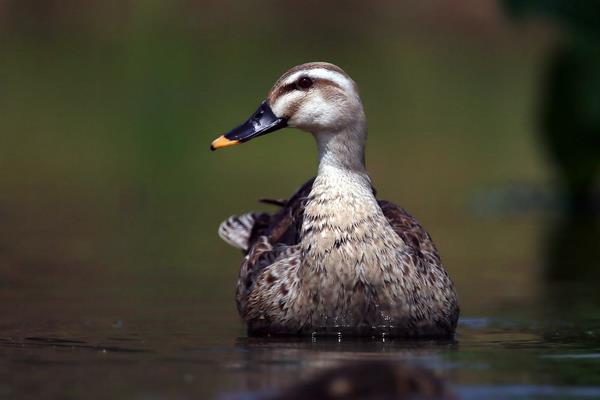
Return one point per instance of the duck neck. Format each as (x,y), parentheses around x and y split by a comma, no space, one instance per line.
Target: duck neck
(344,234)
(342,175)
(342,150)
(342,207)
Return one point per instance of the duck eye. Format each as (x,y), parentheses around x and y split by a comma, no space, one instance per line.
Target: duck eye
(305,82)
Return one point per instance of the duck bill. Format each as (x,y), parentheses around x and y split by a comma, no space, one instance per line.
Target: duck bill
(261,122)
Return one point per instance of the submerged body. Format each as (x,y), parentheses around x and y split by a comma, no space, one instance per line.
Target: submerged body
(334,259)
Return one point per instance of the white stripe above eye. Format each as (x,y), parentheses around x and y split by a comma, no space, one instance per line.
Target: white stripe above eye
(322,73)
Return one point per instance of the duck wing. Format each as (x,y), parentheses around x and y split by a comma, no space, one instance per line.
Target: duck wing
(426,259)
(418,241)
(283,227)
(271,238)
(237,229)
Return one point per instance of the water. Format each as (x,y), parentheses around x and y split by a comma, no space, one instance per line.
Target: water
(74,346)
(177,359)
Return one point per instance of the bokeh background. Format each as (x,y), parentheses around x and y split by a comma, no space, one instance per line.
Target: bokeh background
(483,120)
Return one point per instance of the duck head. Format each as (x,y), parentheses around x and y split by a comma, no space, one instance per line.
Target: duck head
(315,97)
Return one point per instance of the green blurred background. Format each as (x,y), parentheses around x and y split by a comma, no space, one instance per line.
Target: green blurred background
(110,198)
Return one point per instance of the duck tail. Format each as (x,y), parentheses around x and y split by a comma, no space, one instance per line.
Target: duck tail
(237,229)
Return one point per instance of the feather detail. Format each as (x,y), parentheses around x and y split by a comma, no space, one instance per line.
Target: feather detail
(237,229)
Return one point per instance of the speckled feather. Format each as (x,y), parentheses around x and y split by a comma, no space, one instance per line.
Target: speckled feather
(270,290)
(334,259)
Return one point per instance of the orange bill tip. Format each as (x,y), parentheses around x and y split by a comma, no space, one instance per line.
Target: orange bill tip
(222,141)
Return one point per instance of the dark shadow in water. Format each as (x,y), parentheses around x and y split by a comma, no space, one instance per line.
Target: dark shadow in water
(369,380)
(268,357)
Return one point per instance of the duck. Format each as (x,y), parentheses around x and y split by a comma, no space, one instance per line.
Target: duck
(333,259)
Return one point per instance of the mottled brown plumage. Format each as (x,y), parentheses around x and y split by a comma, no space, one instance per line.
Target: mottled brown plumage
(277,235)
(334,259)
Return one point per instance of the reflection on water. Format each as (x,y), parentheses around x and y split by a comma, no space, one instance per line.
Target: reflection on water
(177,358)
(375,380)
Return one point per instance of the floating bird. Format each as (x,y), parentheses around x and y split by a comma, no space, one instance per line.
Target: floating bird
(334,259)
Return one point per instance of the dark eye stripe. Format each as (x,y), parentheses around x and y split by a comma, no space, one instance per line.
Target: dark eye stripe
(283,90)
(290,87)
